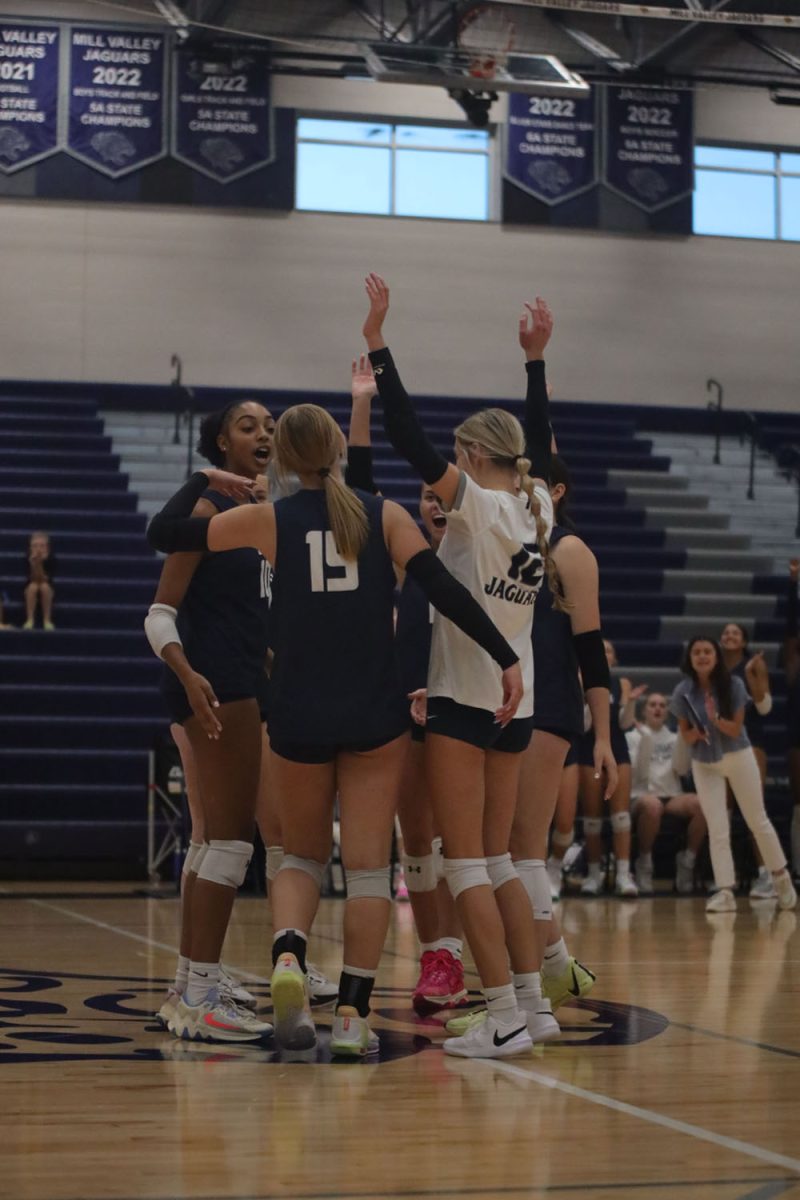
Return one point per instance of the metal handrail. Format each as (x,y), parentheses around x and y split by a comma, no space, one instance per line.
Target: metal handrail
(788,458)
(714,383)
(752,421)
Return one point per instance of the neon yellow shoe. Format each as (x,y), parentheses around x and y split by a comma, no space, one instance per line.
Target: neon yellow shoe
(574,982)
(471,1020)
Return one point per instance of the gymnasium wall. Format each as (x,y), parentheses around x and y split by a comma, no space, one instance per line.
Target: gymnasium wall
(101,292)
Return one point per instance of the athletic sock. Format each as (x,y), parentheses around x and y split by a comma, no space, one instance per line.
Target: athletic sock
(290,941)
(623,868)
(181,974)
(528,989)
(428,948)
(646,860)
(556,958)
(689,857)
(202,984)
(355,989)
(454,945)
(502,1003)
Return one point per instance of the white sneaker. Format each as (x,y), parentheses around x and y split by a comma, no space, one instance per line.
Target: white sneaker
(216,1021)
(684,874)
(351,1036)
(553,867)
(542,1025)
(721,902)
(321,990)
(592,885)
(231,989)
(784,888)
(644,876)
(625,887)
(294,1029)
(168,1008)
(488,1039)
(763,888)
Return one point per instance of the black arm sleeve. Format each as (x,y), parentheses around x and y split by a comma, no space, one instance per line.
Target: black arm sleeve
(358,473)
(453,601)
(538,431)
(401,422)
(592,659)
(172,529)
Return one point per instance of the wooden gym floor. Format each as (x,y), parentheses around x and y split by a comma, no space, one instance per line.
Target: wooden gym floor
(678,1077)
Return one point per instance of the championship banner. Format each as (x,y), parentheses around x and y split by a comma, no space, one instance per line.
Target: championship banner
(222,116)
(28,94)
(116,99)
(649,145)
(550,145)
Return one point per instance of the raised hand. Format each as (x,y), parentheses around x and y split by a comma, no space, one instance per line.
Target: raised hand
(363,385)
(378,294)
(535,328)
(756,668)
(238,487)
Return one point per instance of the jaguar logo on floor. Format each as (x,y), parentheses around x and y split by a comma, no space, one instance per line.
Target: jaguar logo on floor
(51,1017)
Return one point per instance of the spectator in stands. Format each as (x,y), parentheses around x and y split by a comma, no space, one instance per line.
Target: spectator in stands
(754,675)
(41,564)
(791,665)
(4,601)
(710,706)
(623,698)
(657,762)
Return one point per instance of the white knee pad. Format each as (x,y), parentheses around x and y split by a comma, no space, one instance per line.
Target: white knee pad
(194,857)
(464,873)
(563,839)
(274,860)
(621,822)
(374,884)
(533,876)
(501,870)
(437,851)
(420,873)
(291,862)
(226,863)
(592,824)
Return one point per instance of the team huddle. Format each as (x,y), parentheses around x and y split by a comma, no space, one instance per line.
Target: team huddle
(291,691)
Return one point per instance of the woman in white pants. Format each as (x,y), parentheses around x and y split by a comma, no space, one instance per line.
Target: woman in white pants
(709,705)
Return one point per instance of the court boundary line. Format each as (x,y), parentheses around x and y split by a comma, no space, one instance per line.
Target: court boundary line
(698,1132)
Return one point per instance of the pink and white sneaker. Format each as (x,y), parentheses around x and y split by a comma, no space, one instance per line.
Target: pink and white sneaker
(440,983)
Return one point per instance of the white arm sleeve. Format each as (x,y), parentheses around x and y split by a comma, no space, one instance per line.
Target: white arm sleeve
(160,627)
(764,706)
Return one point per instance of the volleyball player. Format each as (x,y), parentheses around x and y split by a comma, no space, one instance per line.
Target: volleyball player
(791,665)
(209,625)
(441,977)
(622,697)
(338,715)
(495,542)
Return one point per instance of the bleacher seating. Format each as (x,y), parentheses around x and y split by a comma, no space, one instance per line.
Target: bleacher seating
(80,707)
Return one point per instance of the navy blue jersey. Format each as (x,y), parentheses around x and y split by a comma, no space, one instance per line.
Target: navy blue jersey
(619,745)
(753,720)
(557,691)
(334,675)
(413,636)
(223,620)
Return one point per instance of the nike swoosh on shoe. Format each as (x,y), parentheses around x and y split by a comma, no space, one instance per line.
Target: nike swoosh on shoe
(501,1041)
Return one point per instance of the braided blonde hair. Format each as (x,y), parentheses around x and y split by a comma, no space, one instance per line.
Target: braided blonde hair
(500,434)
(308,441)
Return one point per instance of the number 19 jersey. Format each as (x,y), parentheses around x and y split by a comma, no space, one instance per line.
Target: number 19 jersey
(334,675)
(491,547)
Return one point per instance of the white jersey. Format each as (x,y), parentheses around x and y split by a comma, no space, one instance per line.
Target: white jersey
(652,760)
(490,546)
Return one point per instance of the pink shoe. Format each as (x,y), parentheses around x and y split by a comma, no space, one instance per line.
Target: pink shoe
(440,983)
(400,888)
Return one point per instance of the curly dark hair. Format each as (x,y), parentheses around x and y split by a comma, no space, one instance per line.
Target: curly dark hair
(559,473)
(720,677)
(211,427)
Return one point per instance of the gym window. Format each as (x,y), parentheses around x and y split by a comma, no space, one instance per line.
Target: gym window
(393,170)
(747,192)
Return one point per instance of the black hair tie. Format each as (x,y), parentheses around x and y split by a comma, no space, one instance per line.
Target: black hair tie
(324,472)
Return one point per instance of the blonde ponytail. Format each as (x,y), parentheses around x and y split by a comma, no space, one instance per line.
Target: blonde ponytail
(308,441)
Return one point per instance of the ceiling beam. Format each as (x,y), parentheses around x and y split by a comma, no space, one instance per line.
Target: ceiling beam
(760,42)
(677,39)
